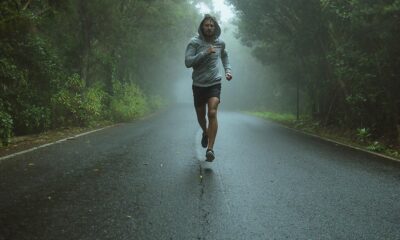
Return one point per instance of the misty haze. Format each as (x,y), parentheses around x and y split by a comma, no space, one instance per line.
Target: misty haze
(208,119)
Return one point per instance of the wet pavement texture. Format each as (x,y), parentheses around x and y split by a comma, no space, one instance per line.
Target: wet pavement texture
(148,180)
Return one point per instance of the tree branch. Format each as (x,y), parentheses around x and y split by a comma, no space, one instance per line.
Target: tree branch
(26,5)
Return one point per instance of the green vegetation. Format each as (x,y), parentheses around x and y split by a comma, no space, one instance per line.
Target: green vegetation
(129,102)
(75,63)
(342,56)
(282,118)
(360,138)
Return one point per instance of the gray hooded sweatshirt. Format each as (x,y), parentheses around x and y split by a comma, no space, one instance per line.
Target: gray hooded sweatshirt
(205,65)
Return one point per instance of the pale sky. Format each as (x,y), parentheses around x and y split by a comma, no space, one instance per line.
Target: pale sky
(219,6)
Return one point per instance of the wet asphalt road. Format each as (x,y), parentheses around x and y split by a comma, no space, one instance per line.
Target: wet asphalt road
(148,180)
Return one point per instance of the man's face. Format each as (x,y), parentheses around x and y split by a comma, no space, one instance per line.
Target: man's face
(208,28)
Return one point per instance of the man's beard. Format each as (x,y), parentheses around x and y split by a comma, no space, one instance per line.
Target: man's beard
(209,33)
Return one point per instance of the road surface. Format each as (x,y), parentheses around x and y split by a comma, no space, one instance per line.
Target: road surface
(148,180)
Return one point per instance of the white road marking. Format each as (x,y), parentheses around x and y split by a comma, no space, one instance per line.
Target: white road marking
(49,144)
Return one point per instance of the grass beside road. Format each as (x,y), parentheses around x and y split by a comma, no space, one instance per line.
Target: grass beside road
(349,137)
(282,118)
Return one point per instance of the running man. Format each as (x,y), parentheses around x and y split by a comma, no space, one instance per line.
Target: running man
(202,54)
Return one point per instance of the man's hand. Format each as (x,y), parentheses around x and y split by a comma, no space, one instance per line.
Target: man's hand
(228,76)
(211,49)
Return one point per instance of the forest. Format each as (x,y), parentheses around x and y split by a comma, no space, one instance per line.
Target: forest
(75,63)
(340,58)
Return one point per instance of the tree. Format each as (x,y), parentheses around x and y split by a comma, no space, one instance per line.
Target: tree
(65,62)
(343,53)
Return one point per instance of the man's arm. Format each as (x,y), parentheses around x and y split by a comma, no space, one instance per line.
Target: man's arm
(226,64)
(191,58)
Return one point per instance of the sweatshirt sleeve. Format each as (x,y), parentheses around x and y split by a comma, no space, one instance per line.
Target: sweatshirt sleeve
(191,58)
(225,60)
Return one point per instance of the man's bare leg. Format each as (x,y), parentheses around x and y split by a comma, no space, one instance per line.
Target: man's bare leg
(212,121)
(201,117)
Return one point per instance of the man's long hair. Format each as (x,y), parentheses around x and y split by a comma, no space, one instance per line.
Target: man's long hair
(208,17)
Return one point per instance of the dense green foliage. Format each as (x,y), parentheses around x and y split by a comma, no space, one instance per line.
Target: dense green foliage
(344,56)
(76,62)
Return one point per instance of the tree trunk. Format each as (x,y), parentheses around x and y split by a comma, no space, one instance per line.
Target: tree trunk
(86,41)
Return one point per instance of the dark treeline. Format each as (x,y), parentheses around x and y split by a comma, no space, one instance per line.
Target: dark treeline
(344,56)
(74,62)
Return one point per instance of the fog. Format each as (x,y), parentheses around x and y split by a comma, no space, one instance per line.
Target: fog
(254,85)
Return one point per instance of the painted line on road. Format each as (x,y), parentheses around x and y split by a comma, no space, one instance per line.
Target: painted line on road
(52,143)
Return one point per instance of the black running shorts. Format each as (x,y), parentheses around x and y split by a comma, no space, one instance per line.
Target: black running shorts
(202,94)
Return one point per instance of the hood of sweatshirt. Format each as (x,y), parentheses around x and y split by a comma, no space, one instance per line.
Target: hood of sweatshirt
(217,32)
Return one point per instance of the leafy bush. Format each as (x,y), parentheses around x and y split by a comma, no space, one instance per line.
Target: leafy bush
(363,134)
(35,119)
(73,105)
(10,73)
(6,126)
(93,104)
(128,102)
(67,103)
(376,147)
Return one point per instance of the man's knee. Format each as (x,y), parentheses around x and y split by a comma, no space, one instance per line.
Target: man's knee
(212,113)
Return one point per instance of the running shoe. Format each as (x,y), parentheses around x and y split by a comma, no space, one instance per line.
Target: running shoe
(210,156)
